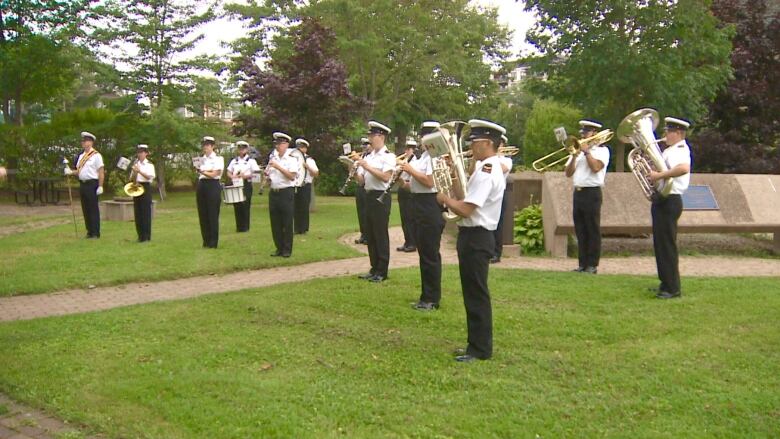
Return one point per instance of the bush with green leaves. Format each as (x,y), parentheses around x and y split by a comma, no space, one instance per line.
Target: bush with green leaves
(546,115)
(529,231)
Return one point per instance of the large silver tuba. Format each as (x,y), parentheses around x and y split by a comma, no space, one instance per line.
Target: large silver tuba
(445,146)
(638,129)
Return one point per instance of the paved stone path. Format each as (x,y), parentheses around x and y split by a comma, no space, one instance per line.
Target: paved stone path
(21,422)
(102,298)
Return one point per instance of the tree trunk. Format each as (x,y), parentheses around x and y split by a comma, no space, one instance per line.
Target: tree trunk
(160,167)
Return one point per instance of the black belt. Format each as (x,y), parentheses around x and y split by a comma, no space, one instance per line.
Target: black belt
(281,189)
(423,194)
(208,180)
(586,188)
(472,229)
(91,180)
(375,191)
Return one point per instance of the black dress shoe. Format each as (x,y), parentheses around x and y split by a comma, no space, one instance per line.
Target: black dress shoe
(590,270)
(401,248)
(667,295)
(285,255)
(425,306)
(579,269)
(276,254)
(377,278)
(466,358)
(366,276)
(361,240)
(494,260)
(410,249)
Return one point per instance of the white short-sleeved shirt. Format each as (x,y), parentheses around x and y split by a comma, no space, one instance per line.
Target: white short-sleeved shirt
(211,162)
(244,166)
(382,160)
(312,165)
(506,161)
(425,165)
(90,169)
(147,168)
(289,163)
(583,175)
(485,190)
(678,154)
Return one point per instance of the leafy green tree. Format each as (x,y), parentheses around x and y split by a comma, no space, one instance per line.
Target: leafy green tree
(513,111)
(546,115)
(610,57)
(158,33)
(410,60)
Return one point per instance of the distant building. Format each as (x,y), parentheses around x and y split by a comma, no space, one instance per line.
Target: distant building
(506,80)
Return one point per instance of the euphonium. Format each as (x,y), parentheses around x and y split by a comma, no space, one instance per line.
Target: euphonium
(445,146)
(638,129)
(132,189)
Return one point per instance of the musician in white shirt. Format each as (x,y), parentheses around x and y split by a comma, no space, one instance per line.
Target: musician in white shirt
(405,202)
(209,191)
(666,211)
(428,224)
(360,194)
(588,169)
(303,194)
(282,170)
(91,173)
(378,169)
(241,169)
(498,234)
(143,173)
(480,211)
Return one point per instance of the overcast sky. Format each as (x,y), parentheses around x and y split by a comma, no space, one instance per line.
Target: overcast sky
(510,14)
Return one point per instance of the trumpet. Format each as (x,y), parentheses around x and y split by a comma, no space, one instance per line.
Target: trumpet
(400,160)
(571,146)
(350,161)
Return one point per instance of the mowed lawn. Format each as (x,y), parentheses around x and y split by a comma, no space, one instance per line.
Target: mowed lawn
(575,356)
(53,259)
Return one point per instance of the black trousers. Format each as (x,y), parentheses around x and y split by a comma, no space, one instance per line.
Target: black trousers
(242,209)
(475,247)
(498,234)
(302,203)
(377,218)
(587,225)
(281,205)
(208,197)
(666,212)
(428,227)
(406,209)
(89,206)
(142,211)
(360,203)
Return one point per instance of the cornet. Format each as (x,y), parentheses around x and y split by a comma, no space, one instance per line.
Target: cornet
(571,146)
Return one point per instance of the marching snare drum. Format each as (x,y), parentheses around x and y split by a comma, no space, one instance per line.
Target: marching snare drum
(233,194)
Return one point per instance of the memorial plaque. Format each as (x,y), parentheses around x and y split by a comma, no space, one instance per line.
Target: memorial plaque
(699,197)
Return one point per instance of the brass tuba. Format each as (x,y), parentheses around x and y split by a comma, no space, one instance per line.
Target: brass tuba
(445,146)
(638,129)
(571,146)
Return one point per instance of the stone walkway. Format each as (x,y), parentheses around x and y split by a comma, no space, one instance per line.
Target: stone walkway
(102,298)
(21,422)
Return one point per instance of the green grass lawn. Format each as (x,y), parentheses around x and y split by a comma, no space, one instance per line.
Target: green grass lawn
(53,259)
(575,356)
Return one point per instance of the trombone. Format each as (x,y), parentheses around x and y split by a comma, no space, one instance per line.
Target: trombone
(571,146)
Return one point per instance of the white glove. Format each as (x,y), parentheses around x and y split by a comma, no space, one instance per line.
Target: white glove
(68,171)
(99,190)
